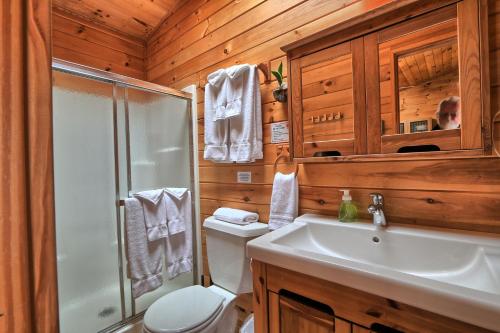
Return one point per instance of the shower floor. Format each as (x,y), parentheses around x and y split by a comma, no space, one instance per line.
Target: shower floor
(98,311)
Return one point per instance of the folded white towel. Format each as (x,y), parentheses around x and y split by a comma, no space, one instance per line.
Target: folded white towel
(216,132)
(246,130)
(155,213)
(284,200)
(179,246)
(234,84)
(175,199)
(144,262)
(236,216)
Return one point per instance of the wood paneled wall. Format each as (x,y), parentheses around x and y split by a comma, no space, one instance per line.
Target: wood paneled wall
(204,36)
(83,42)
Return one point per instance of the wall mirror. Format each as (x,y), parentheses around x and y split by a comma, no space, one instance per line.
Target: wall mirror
(428,89)
(430,83)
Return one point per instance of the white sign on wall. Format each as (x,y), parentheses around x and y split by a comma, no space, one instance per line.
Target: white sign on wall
(279,132)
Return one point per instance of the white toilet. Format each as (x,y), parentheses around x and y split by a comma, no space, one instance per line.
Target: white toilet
(207,310)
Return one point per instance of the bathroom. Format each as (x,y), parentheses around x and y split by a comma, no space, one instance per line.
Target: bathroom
(371,195)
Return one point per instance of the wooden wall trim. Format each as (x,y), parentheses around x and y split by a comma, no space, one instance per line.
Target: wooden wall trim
(40,168)
(28,281)
(15,291)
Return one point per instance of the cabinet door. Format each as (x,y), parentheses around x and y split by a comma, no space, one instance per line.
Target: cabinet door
(328,101)
(429,96)
(295,317)
(342,326)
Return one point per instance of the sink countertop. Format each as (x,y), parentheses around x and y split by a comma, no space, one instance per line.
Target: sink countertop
(455,274)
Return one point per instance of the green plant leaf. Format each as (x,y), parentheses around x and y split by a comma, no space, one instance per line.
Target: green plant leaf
(280,69)
(278,76)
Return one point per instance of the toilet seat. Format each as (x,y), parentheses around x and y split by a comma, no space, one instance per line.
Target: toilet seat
(185,310)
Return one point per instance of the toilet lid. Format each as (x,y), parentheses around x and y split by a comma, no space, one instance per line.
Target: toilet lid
(183,310)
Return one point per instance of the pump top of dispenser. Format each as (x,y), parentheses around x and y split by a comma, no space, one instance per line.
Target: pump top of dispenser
(346,196)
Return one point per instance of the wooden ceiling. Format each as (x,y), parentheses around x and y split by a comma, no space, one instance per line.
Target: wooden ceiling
(134,18)
(424,66)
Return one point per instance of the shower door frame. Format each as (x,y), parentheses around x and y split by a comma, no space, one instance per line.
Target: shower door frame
(121,81)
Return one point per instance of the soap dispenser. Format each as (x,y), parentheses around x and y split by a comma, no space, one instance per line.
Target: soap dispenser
(348,212)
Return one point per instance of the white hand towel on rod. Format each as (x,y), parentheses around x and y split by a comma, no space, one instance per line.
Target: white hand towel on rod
(216,132)
(155,213)
(144,262)
(284,200)
(246,130)
(176,199)
(236,216)
(179,246)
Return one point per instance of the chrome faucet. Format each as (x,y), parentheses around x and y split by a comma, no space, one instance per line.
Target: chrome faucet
(376,209)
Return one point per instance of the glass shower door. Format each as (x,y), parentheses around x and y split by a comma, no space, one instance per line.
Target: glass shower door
(159,157)
(85,192)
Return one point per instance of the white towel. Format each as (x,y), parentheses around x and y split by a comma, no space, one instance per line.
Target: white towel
(236,216)
(233,115)
(155,213)
(233,88)
(144,262)
(284,200)
(216,132)
(179,246)
(175,199)
(246,130)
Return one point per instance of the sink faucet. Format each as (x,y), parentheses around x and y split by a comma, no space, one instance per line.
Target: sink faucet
(376,209)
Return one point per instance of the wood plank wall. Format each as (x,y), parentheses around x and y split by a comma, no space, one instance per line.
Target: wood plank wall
(203,36)
(82,42)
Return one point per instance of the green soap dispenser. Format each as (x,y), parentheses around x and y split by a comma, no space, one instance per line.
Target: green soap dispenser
(348,212)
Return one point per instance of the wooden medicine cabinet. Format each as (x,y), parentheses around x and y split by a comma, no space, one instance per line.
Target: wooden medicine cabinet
(403,79)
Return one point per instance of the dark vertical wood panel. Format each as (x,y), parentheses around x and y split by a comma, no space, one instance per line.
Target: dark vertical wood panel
(40,168)
(15,291)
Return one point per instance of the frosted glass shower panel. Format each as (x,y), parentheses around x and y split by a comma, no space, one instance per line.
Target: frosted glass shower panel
(159,140)
(87,253)
(159,158)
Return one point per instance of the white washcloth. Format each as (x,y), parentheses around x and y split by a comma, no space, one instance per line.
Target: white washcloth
(155,213)
(216,132)
(179,246)
(284,200)
(236,216)
(246,130)
(234,83)
(175,199)
(144,262)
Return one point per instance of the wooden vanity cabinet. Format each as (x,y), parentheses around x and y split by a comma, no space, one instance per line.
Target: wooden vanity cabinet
(285,301)
(372,84)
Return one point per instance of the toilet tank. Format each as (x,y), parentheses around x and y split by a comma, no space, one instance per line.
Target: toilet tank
(226,252)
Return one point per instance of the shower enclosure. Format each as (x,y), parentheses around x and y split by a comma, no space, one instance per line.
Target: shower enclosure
(113,136)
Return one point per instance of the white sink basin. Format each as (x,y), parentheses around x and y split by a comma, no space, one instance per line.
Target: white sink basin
(451,273)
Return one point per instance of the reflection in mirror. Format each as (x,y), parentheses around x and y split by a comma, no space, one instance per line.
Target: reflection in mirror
(428,89)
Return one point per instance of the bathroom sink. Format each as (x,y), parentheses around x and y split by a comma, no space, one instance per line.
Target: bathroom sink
(455,274)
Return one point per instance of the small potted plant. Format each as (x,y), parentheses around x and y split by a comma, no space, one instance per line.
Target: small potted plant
(280,93)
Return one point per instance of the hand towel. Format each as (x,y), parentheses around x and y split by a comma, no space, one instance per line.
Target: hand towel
(144,262)
(284,200)
(245,135)
(235,81)
(175,199)
(179,246)
(155,213)
(236,216)
(216,132)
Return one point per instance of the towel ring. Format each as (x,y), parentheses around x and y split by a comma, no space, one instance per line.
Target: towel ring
(280,156)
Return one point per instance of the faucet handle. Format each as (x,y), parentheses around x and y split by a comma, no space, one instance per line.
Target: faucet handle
(377,198)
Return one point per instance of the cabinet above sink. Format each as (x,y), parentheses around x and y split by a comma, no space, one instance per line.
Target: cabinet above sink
(400,83)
